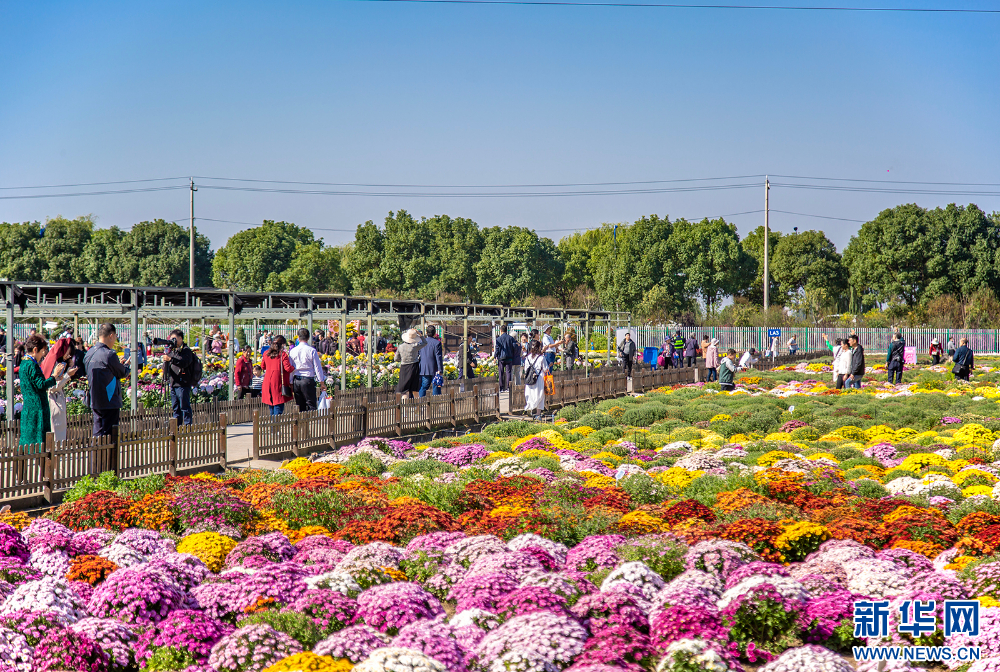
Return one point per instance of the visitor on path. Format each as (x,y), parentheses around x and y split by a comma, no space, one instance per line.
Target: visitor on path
(706,341)
(507,353)
(679,348)
(263,341)
(793,344)
(748,359)
(104,373)
(141,358)
(79,352)
(691,352)
(842,364)
(328,346)
(951,348)
(570,349)
(535,369)
(243,372)
(307,374)
(3,340)
(549,346)
(354,346)
(179,376)
(277,388)
(35,418)
(472,359)
(964,360)
(381,343)
(772,350)
(712,360)
(317,337)
(894,359)
(408,356)
(726,370)
(257,382)
(857,366)
(936,352)
(431,363)
(218,343)
(627,351)
(361,340)
(58,364)
(835,351)
(667,352)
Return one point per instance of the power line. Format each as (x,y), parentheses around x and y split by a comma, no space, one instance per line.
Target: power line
(313,228)
(881,190)
(596,192)
(93,193)
(477,186)
(661,5)
(803,214)
(94,184)
(850,179)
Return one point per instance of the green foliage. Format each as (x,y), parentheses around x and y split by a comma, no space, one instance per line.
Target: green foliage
(363,464)
(296,625)
(88,484)
(663,557)
(515,264)
(644,489)
(249,259)
(428,468)
(170,659)
(596,421)
(442,495)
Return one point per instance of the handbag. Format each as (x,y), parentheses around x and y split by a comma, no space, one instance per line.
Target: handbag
(957,369)
(286,391)
(550,384)
(437,380)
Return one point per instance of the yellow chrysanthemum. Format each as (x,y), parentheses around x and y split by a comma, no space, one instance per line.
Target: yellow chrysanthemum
(677,478)
(601,482)
(778,436)
(978,490)
(721,417)
(769,458)
(307,661)
(209,547)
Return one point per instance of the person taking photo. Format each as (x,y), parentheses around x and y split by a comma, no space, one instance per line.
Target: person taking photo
(179,373)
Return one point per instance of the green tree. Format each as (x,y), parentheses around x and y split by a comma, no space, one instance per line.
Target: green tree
(314,269)
(100,256)
(753,245)
(456,245)
(248,259)
(575,251)
(627,266)
(407,265)
(158,254)
(59,246)
(714,264)
(810,271)
(18,258)
(362,259)
(962,258)
(888,259)
(515,264)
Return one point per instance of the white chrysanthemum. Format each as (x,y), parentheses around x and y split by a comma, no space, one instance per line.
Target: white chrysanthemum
(907,485)
(808,659)
(553,548)
(341,582)
(479,618)
(687,653)
(46,594)
(677,445)
(637,574)
(788,588)
(397,659)
(874,577)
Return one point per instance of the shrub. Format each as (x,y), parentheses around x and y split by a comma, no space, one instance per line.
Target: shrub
(363,464)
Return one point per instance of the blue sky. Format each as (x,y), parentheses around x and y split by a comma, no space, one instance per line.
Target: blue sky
(391,93)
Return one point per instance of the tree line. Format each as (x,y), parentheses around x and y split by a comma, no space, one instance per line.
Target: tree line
(911,262)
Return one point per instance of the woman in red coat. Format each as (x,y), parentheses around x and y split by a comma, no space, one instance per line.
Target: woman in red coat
(277,375)
(243,372)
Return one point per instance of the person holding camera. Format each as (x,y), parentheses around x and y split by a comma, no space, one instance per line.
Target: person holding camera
(179,375)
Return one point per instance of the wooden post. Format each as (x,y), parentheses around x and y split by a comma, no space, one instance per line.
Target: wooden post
(172,447)
(47,465)
(114,449)
(475,402)
(399,415)
(231,366)
(343,348)
(368,343)
(364,418)
(223,441)
(331,423)
(256,435)
(454,418)
(295,436)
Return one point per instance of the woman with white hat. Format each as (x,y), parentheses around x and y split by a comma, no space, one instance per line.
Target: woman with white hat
(936,351)
(408,356)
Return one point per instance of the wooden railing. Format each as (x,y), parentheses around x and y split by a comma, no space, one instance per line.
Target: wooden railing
(341,424)
(132,450)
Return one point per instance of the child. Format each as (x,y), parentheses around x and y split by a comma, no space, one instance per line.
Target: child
(257,382)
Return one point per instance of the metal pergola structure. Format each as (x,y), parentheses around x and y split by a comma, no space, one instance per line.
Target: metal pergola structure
(119,302)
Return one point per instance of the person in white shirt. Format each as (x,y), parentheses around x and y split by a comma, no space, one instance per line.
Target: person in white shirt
(748,359)
(308,372)
(549,346)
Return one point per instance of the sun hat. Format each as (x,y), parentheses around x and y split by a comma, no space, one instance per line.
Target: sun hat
(934,342)
(410,336)
(715,341)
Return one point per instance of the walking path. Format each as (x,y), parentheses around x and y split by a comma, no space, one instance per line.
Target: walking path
(239,449)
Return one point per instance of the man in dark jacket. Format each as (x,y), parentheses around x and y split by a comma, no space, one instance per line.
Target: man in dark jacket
(507,354)
(964,360)
(679,349)
(894,359)
(431,363)
(857,363)
(691,351)
(178,376)
(627,352)
(104,374)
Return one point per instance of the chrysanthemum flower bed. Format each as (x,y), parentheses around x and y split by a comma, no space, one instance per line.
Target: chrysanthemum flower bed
(681,530)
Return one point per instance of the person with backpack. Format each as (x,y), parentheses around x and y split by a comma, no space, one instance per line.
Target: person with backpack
(894,359)
(533,374)
(181,370)
(964,360)
(936,352)
(727,367)
(507,353)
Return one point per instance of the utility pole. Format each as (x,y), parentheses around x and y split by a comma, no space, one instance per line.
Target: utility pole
(767,212)
(193,189)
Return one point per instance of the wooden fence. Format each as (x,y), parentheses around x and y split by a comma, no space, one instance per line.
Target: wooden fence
(344,423)
(133,449)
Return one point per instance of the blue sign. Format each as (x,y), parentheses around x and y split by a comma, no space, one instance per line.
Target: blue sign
(773,332)
(871,619)
(923,620)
